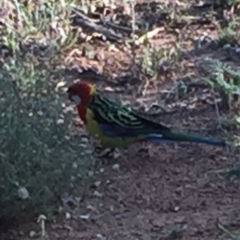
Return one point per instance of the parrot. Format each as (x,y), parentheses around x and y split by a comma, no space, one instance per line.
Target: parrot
(117,126)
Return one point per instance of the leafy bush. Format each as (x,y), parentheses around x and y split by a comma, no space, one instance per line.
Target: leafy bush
(39,157)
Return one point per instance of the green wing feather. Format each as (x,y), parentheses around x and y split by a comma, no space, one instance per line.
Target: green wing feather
(119,120)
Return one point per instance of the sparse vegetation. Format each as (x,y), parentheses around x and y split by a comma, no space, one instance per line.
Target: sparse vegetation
(40,158)
(224,80)
(173,57)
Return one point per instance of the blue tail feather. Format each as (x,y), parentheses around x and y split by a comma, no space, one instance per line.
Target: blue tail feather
(157,138)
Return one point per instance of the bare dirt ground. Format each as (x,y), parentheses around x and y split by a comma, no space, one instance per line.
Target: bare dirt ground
(170,192)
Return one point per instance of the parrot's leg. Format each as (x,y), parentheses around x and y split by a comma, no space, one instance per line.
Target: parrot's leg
(99,150)
(147,149)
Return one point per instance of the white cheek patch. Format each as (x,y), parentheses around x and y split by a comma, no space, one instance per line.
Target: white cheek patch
(76,99)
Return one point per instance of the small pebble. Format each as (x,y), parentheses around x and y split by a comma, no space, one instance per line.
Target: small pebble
(67,215)
(90,174)
(85,217)
(116,166)
(99,235)
(97,194)
(32,234)
(97,183)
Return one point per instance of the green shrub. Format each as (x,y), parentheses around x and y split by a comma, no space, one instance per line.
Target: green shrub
(39,157)
(38,152)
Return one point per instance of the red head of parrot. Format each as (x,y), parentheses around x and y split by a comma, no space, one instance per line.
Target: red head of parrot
(81,94)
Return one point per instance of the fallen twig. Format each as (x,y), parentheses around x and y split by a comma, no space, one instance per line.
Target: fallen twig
(84,21)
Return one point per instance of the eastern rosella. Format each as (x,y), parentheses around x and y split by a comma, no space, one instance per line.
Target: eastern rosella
(117,126)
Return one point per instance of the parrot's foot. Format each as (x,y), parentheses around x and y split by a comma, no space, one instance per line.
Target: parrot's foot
(103,152)
(106,155)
